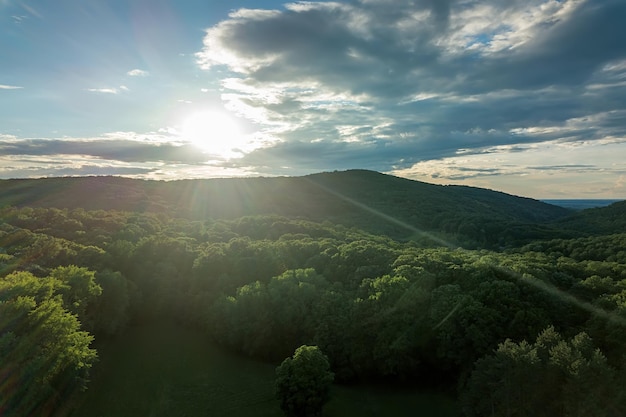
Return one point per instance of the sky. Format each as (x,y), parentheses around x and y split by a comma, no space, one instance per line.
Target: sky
(527,97)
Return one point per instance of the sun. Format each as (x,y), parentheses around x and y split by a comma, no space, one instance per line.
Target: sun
(213,132)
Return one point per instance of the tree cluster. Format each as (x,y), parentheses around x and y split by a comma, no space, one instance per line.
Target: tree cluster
(303,382)
(44,352)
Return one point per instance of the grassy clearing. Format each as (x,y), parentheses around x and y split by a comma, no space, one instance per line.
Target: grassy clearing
(377,401)
(171,371)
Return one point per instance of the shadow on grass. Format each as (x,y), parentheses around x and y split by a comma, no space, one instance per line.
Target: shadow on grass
(167,370)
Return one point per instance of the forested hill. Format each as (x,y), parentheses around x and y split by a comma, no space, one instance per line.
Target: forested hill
(375,202)
(598,221)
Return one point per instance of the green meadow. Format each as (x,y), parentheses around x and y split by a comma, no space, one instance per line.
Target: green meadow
(168,370)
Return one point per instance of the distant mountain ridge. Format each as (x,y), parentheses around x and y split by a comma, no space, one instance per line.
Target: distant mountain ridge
(375,202)
(581,203)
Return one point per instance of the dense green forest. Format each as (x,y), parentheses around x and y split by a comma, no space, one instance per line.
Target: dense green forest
(515,306)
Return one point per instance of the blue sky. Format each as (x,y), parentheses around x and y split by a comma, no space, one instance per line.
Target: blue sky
(526,97)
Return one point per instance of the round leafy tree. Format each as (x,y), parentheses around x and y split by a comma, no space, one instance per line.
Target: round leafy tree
(303,382)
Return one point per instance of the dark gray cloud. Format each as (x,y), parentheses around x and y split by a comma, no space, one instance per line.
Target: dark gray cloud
(37,171)
(567,53)
(561,167)
(123,150)
(423,79)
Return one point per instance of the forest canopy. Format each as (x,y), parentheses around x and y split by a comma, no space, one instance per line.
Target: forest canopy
(483,322)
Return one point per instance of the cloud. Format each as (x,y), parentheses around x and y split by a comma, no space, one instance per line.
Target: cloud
(104,90)
(18,19)
(9,87)
(161,156)
(542,170)
(386,85)
(119,146)
(109,90)
(138,73)
(24,168)
(491,93)
(38,166)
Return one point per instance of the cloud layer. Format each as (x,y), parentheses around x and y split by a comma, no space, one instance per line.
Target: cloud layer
(388,85)
(527,97)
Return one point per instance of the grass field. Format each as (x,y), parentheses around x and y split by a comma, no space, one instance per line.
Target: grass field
(171,371)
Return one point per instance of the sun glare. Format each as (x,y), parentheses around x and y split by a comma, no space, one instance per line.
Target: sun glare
(213,132)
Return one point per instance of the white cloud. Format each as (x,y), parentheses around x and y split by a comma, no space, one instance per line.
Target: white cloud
(155,155)
(18,19)
(541,170)
(138,73)
(9,87)
(103,90)
(108,90)
(492,27)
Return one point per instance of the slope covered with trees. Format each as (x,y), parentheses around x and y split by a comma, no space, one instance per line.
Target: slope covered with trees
(371,201)
(419,312)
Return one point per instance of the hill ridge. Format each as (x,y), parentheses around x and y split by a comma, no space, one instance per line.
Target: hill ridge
(356,198)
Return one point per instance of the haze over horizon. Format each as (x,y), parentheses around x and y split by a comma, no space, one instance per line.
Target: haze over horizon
(524,97)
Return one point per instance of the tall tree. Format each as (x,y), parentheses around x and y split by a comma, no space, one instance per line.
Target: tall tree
(552,377)
(79,290)
(303,382)
(44,354)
